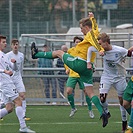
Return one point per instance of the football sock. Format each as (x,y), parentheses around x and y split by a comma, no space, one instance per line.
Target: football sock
(105,106)
(19,113)
(123,113)
(88,100)
(24,107)
(47,55)
(71,100)
(3,112)
(96,102)
(131,119)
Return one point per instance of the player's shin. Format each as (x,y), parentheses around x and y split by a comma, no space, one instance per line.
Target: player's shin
(88,100)
(3,112)
(96,102)
(19,113)
(105,106)
(71,100)
(47,55)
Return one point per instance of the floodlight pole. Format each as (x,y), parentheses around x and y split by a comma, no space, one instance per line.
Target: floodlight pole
(108,15)
(10,20)
(74,14)
(86,8)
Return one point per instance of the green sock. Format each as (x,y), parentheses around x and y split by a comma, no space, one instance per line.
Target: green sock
(47,55)
(131,119)
(96,102)
(88,100)
(128,110)
(71,100)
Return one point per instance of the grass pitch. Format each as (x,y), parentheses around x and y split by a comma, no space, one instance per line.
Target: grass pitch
(55,119)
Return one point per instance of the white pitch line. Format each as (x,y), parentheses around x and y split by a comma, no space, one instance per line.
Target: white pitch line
(57,123)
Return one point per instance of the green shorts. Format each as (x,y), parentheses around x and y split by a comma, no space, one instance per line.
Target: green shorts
(79,66)
(72,81)
(128,91)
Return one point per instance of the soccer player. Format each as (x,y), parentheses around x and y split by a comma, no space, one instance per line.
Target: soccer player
(17,75)
(73,79)
(128,101)
(114,73)
(128,104)
(78,61)
(8,88)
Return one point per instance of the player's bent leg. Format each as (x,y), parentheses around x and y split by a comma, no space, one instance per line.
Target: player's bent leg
(123,114)
(49,55)
(71,101)
(96,101)
(19,113)
(22,96)
(89,104)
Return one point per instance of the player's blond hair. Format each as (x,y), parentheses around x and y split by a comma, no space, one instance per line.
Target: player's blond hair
(86,22)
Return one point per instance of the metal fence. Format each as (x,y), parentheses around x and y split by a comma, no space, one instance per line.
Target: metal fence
(57,16)
(35,87)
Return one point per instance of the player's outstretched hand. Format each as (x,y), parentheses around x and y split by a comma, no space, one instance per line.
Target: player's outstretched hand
(89,66)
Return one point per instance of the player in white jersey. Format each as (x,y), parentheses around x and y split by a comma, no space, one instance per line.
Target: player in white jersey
(114,73)
(17,75)
(8,88)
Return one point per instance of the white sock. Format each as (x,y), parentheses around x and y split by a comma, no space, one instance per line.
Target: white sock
(24,107)
(105,106)
(123,113)
(3,112)
(19,113)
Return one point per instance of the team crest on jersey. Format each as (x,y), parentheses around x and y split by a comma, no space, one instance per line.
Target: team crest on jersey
(21,58)
(7,67)
(116,55)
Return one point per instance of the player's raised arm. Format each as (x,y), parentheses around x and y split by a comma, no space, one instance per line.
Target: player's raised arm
(89,53)
(94,24)
(13,64)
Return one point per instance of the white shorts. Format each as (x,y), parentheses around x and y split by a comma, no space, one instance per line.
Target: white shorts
(118,83)
(19,85)
(9,93)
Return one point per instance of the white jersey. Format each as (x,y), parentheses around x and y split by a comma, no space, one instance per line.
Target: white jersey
(17,75)
(114,73)
(113,62)
(19,60)
(5,64)
(7,86)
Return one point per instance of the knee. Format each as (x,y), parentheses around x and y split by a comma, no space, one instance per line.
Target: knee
(59,53)
(121,101)
(22,95)
(18,101)
(102,97)
(69,91)
(126,105)
(9,107)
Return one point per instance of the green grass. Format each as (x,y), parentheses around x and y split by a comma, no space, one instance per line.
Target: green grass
(55,119)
